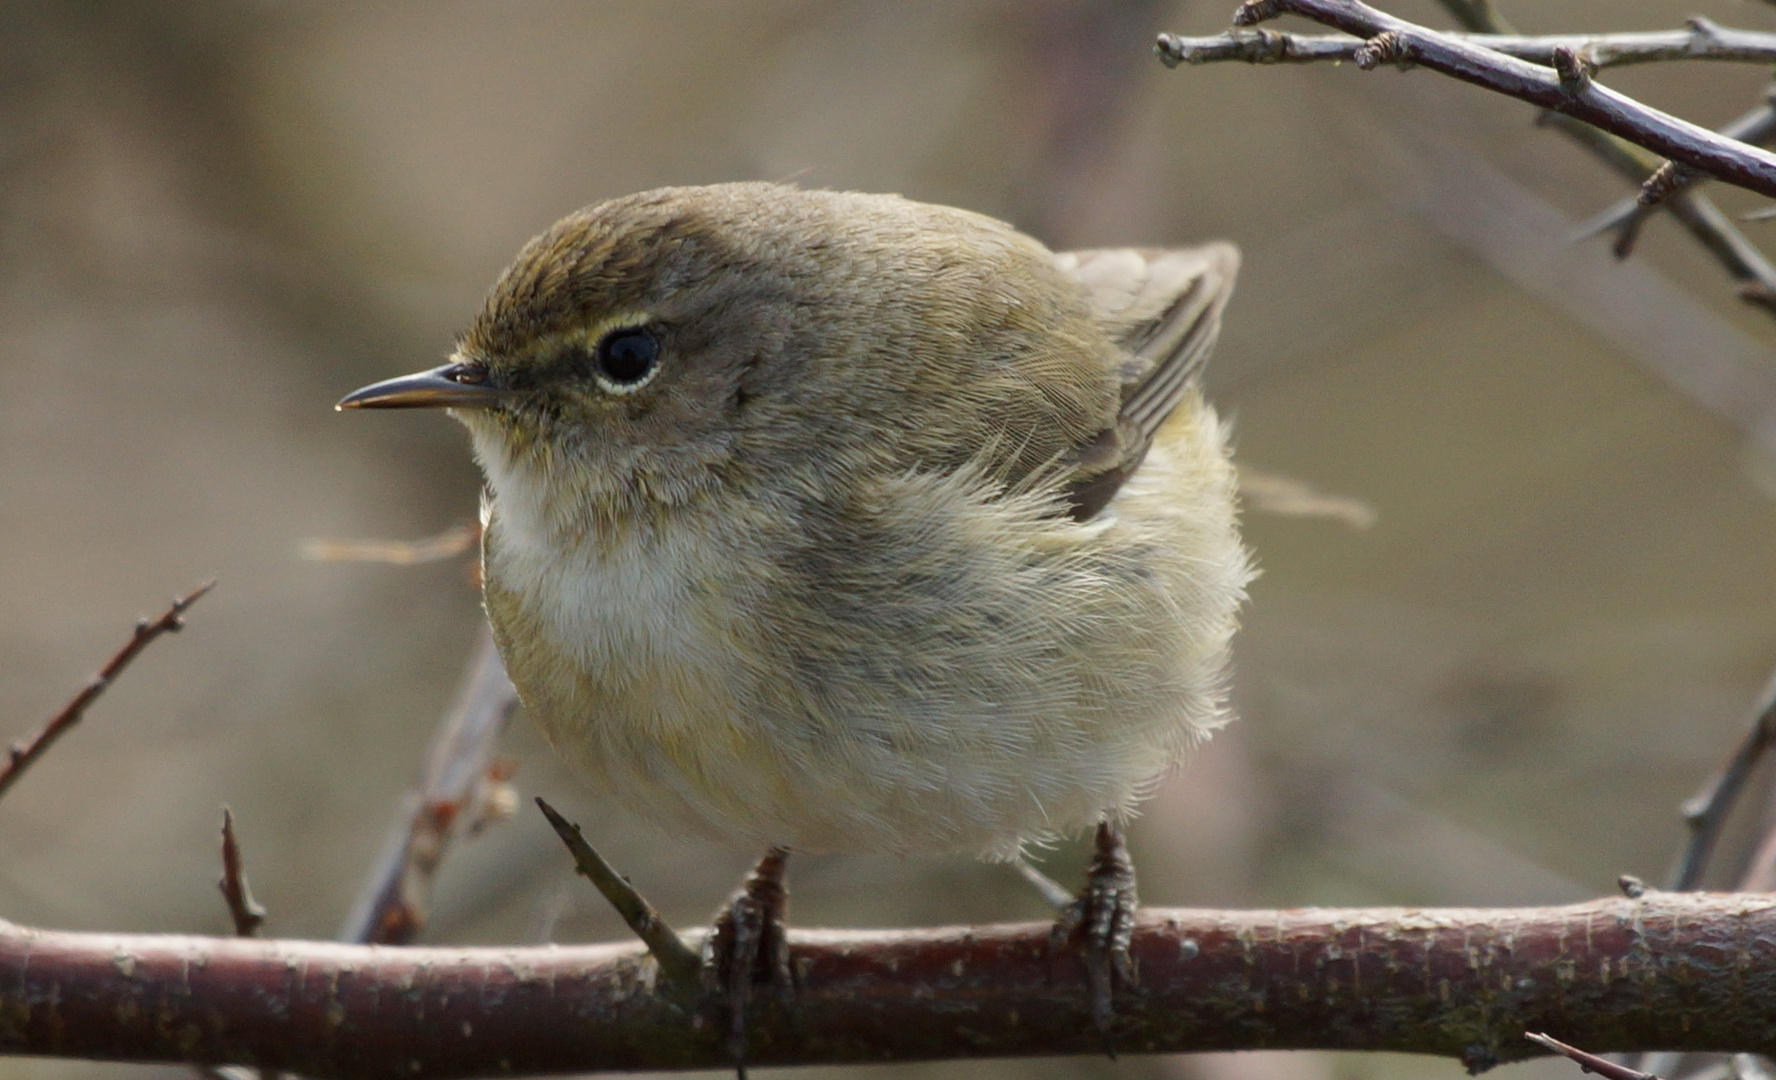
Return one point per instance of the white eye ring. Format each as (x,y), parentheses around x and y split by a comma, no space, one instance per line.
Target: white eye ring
(626,359)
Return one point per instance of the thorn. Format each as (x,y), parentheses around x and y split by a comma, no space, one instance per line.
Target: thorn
(1632,887)
(247,913)
(1626,237)
(677,962)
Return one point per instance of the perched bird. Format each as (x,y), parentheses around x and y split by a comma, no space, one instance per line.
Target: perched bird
(835,522)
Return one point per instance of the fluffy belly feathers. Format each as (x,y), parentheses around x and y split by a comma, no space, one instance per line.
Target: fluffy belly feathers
(1049,672)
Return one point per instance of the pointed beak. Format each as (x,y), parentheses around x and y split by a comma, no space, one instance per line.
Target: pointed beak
(453,386)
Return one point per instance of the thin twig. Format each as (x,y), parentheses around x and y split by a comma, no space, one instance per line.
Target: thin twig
(1690,144)
(247,913)
(23,755)
(1589,1062)
(1757,126)
(676,959)
(1703,40)
(1693,210)
(454,792)
(1706,812)
(1717,234)
(454,541)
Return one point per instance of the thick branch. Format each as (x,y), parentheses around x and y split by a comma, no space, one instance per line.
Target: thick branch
(1676,971)
(1392,40)
(1703,40)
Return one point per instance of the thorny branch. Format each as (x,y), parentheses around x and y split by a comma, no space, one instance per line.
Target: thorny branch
(1703,40)
(1391,40)
(1681,971)
(1663,186)
(22,755)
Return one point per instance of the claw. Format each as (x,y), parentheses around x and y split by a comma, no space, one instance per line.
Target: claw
(1102,920)
(749,944)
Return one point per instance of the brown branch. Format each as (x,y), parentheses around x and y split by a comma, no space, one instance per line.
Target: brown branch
(1675,971)
(1703,40)
(247,914)
(22,755)
(454,792)
(1595,104)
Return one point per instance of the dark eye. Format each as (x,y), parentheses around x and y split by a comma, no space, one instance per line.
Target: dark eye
(626,357)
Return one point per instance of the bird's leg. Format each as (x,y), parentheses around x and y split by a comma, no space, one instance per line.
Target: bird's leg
(1102,921)
(750,945)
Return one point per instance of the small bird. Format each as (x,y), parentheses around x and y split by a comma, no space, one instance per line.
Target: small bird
(839,522)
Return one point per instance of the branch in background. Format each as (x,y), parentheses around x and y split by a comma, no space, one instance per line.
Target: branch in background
(23,755)
(459,791)
(1703,40)
(1625,218)
(1274,493)
(1682,971)
(1706,812)
(1698,214)
(247,914)
(1389,39)
(459,540)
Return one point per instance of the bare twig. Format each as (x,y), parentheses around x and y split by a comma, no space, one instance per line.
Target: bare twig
(1591,1063)
(1703,40)
(459,540)
(1693,210)
(1756,126)
(1741,259)
(1680,140)
(247,914)
(677,961)
(1706,812)
(1681,971)
(22,755)
(454,790)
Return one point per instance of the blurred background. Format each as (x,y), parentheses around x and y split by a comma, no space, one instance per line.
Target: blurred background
(216,218)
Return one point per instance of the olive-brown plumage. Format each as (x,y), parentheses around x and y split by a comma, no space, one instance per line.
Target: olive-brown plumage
(842,522)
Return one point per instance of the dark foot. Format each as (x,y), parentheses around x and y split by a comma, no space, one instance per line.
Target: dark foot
(750,946)
(1102,922)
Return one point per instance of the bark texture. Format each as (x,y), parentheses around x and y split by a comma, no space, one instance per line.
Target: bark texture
(1669,971)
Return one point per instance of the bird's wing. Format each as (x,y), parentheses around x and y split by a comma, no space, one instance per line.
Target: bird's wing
(1164,308)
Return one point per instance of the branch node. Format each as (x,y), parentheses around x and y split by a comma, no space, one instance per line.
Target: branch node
(1665,181)
(1632,887)
(1386,47)
(1574,69)
(1703,31)
(1253,12)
